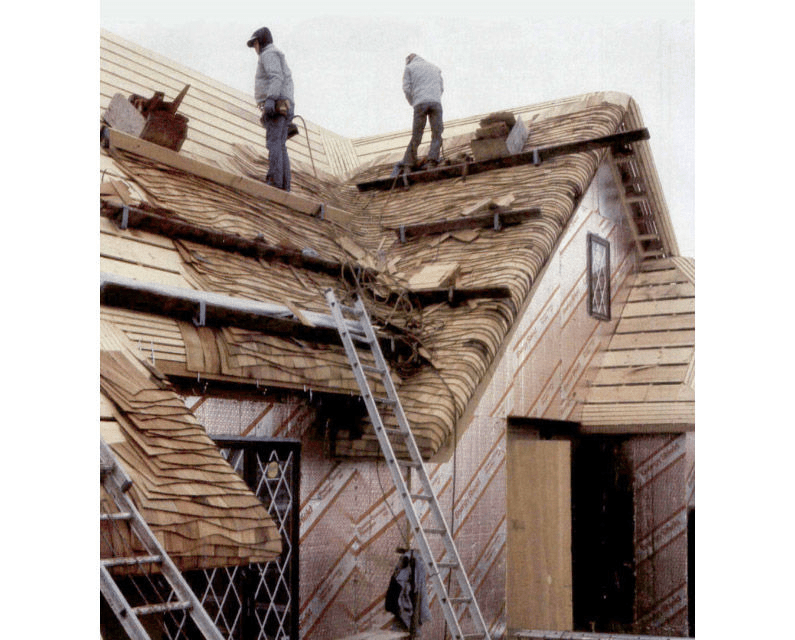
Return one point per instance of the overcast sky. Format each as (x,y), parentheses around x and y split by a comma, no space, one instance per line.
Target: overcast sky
(347,64)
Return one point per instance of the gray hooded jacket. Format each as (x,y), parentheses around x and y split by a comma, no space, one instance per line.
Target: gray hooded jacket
(422,82)
(273,78)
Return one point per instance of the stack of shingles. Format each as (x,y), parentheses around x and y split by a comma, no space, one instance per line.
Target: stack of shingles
(200,509)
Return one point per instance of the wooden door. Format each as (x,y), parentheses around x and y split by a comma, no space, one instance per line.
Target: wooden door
(539,571)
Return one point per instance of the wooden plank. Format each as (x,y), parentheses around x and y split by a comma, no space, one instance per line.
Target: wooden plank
(496,219)
(174,227)
(640,393)
(664,276)
(106,408)
(537,155)
(653,339)
(539,582)
(640,375)
(679,305)
(638,414)
(130,250)
(434,276)
(141,273)
(249,186)
(661,291)
(109,227)
(645,357)
(111,432)
(656,323)
(137,319)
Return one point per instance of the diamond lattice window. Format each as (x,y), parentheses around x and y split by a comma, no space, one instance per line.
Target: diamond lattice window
(598,277)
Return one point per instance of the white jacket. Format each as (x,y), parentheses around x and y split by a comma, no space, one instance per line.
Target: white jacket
(273,78)
(422,82)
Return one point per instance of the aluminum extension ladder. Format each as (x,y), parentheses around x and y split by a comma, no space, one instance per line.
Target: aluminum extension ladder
(180,597)
(358,329)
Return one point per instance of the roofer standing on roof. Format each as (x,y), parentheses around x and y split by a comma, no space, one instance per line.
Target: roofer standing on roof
(423,86)
(273,91)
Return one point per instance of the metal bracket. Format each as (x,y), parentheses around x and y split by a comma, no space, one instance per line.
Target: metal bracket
(402,234)
(497,223)
(322,211)
(536,157)
(202,319)
(125,217)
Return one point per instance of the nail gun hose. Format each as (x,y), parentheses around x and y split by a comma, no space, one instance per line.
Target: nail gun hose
(308,145)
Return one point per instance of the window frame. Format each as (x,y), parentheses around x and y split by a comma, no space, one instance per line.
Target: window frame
(593,310)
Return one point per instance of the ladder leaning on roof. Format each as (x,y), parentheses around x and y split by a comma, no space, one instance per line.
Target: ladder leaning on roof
(176,596)
(360,330)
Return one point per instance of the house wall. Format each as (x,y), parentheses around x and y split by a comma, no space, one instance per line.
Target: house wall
(659,482)
(351,522)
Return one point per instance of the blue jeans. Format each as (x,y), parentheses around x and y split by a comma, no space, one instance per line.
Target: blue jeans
(276,143)
(433,112)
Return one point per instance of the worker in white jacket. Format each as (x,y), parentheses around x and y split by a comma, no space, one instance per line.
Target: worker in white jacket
(273,91)
(423,86)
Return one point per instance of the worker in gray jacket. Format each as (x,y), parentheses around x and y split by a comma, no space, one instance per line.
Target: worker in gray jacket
(273,91)
(423,86)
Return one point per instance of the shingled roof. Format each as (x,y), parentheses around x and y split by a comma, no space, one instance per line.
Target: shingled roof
(202,511)
(286,249)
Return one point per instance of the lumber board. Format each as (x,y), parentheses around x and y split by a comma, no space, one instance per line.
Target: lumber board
(174,227)
(535,156)
(142,273)
(434,276)
(640,375)
(656,323)
(640,393)
(634,413)
(663,276)
(130,250)
(647,357)
(653,339)
(655,308)
(117,139)
(661,292)
(495,219)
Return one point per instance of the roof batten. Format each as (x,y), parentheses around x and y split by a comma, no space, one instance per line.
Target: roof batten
(534,156)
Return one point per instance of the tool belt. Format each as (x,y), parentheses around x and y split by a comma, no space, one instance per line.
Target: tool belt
(282,108)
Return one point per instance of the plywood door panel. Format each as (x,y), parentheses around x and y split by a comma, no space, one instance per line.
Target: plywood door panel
(539,578)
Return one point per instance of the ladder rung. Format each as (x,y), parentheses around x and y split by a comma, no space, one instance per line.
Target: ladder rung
(121,515)
(447,565)
(131,560)
(437,532)
(408,463)
(459,600)
(369,369)
(353,311)
(381,400)
(418,496)
(466,636)
(358,337)
(178,605)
